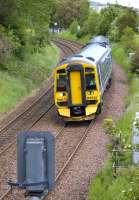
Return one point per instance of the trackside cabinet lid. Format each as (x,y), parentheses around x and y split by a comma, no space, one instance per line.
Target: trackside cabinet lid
(24,143)
(35,163)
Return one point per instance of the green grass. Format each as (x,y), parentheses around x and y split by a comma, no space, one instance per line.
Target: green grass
(125,186)
(11,91)
(132,101)
(132,104)
(21,77)
(120,56)
(106,187)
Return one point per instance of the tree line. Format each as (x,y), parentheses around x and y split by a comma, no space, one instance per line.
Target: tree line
(120,24)
(24,25)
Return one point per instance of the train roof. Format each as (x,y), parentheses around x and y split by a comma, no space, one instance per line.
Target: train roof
(91,53)
(94,51)
(100,39)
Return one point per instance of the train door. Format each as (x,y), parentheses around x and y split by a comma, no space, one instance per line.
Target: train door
(76,88)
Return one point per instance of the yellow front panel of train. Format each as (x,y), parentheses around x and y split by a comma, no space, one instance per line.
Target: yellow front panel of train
(75,86)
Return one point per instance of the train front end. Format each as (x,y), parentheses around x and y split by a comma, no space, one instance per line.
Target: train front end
(76,91)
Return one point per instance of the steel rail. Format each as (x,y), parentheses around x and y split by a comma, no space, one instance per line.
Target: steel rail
(59,41)
(27,110)
(75,150)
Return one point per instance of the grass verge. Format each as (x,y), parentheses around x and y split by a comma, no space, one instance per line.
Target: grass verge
(73,37)
(21,77)
(125,185)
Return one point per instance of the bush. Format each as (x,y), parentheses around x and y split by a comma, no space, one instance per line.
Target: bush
(21,77)
(135,61)
(74,27)
(90,25)
(8,42)
(127,39)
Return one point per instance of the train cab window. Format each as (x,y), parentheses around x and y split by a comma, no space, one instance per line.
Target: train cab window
(90,82)
(87,69)
(61,83)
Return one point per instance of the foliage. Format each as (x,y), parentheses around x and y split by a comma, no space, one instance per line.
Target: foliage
(126,18)
(21,77)
(127,39)
(118,22)
(71,10)
(28,20)
(106,187)
(90,24)
(135,61)
(106,18)
(11,91)
(8,44)
(23,30)
(109,126)
(74,27)
(121,56)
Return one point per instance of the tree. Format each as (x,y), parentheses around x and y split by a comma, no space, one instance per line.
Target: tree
(106,18)
(68,11)
(24,25)
(127,39)
(90,25)
(8,9)
(37,14)
(126,18)
(74,27)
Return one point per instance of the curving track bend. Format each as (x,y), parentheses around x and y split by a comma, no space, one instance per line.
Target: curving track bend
(40,115)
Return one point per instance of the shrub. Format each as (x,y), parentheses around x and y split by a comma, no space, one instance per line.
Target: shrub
(90,25)
(127,39)
(135,61)
(74,27)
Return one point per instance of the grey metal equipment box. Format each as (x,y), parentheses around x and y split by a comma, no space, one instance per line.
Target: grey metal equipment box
(135,140)
(35,160)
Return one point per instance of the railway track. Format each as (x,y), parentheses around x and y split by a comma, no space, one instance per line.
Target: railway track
(69,139)
(70,157)
(62,43)
(90,158)
(63,157)
(9,131)
(32,115)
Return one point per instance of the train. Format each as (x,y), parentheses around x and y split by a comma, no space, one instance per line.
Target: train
(81,80)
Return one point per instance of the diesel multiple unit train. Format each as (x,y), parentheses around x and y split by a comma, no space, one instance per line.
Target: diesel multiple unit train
(80,81)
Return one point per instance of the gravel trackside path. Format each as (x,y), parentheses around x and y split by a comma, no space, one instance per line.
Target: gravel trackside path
(74,183)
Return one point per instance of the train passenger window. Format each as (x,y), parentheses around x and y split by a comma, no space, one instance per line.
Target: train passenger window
(61,83)
(90,82)
(59,71)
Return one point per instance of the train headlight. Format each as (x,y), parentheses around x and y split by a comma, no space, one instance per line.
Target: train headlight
(61,94)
